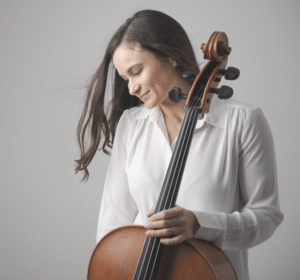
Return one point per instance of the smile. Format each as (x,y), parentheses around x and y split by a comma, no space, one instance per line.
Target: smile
(142,97)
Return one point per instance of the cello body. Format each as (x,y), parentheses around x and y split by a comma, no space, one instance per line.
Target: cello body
(117,254)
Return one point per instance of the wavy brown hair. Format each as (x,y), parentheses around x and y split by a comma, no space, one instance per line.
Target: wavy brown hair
(153,31)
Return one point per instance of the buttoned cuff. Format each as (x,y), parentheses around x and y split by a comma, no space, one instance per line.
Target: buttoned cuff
(212,227)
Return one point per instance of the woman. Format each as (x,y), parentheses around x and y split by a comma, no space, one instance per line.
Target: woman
(228,193)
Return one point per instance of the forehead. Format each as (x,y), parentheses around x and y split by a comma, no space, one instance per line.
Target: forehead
(127,55)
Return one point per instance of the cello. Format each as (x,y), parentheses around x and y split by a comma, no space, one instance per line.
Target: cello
(126,252)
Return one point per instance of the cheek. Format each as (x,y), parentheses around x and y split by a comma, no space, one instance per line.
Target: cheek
(164,82)
(159,81)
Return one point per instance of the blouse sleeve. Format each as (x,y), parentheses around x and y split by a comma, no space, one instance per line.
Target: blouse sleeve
(260,214)
(117,206)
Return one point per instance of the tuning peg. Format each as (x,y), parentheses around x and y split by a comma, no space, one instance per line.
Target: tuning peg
(176,95)
(189,75)
(231,73)
(224,92)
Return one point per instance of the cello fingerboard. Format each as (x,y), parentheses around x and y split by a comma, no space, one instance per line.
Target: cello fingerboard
(152,249)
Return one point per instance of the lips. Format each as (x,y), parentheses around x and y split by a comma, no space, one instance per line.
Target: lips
(142,97)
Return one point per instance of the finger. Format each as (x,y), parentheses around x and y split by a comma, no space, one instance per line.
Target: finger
(167,214)
(160,224)
(174,240)
(171,232)
(150,213)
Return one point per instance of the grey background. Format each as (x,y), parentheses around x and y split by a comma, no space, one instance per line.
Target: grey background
(49,49)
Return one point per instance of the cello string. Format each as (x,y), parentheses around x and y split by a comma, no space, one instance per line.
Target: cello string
(190,117)
(156,253)
(155,239)
(191,130)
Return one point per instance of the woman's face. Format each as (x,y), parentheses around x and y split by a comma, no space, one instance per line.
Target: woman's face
(148,78)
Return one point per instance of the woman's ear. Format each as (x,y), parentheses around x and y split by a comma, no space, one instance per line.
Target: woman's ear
(173,62)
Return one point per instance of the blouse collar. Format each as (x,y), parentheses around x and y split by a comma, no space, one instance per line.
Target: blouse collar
(216,115)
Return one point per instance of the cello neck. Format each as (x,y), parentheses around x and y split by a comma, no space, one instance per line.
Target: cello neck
(171,184)
(152,250)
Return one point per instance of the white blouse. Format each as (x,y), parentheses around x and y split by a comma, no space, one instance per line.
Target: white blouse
(229,182)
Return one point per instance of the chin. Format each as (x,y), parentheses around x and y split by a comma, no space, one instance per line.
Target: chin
(150,105)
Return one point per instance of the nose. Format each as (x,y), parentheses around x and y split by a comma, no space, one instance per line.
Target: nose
(134,88)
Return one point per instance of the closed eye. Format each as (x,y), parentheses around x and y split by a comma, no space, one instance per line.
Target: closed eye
(133,74)
(138,72)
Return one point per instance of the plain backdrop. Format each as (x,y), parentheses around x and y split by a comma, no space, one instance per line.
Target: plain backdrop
(49,50)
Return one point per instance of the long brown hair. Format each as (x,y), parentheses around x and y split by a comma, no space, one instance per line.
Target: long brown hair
(155,32)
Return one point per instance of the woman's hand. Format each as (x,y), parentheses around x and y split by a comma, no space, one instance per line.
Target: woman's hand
(174,225)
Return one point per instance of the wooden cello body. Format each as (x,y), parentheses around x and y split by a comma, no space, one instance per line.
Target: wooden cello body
(117,254)
(126,252)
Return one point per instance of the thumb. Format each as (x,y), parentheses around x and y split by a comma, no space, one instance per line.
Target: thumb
(150,213)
